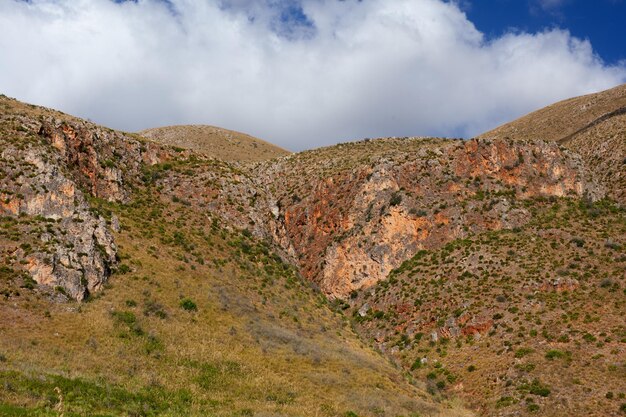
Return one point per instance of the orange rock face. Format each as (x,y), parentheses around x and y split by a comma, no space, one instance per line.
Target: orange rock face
(357,225)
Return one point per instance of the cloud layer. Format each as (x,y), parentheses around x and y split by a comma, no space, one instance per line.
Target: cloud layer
(300,74)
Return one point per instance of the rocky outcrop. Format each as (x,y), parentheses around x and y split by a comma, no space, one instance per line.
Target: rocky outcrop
(73,250)
(104,162)
(48,168)
(350,229)
(346,215)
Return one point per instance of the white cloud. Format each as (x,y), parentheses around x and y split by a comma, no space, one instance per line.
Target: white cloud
(349,70)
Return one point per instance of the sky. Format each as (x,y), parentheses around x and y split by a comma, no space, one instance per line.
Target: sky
(310,73)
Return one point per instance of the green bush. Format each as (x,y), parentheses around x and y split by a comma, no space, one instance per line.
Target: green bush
(126,317)
(417,364)
(536,388)
(589,337)
(123,269)
(396,199)
(521,352)
(188,305)
(505,402)
(555,354)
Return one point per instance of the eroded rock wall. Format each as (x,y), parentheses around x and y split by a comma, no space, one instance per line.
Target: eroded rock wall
(355,226)
(49,168)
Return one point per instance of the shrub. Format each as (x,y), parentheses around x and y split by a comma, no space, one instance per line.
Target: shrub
(153,308)
(153,344)
(537,388)
(379,314)
(396,199)
(606,283)
(123,269)
(521,352)
(505,402)
(188,305)
(125,317)
(555,354)
(417,364)
(589,337)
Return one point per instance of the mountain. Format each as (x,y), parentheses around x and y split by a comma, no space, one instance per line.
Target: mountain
(400,276)
(220,143)
(593,126)
(119,298)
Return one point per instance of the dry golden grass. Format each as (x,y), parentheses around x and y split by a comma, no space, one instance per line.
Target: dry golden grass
(564,118)
(220,143)
(260,343)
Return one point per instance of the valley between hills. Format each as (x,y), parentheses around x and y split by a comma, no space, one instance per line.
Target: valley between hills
(195,271)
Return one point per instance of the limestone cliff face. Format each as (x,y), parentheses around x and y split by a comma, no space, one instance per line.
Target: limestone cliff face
(346,215)
(353,227)
(49,167)
(101,161)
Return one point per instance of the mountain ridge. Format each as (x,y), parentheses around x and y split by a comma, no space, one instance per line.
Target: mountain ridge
(189,315)
(427,249)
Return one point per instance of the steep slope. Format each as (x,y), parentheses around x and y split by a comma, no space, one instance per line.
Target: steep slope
(592,125)
(188,314)
(519,322)
(459,260)
(363,208)
(214,141)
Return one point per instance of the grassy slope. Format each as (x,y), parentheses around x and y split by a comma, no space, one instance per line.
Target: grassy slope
(559,353)
(217,142)
(260,341)
(564,118)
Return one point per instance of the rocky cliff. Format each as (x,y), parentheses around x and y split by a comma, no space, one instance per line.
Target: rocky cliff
(350,222)
(593,126)
(50,170)
(360,210)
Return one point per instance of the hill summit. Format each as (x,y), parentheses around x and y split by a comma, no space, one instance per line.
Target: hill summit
(220,143)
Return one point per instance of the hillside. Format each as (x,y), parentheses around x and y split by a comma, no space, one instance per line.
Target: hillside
(519,321)
(220,143)
(593,125)
(399,277)
(366,207)
(182,313)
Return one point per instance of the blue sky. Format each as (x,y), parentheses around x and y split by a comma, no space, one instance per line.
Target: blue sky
(308,73)
(603,22)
